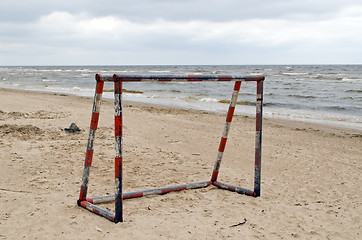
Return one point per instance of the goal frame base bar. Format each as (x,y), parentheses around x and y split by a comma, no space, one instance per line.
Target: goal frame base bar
(91,203)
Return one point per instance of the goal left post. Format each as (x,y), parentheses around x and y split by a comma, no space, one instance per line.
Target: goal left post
(89,151)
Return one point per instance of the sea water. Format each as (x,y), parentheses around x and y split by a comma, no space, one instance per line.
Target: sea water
(330,94)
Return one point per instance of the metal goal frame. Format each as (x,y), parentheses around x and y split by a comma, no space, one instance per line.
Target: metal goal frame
(119,196)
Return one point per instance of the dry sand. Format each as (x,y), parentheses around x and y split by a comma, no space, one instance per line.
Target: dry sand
(311,174)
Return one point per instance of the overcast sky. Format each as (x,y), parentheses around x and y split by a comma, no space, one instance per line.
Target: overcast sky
(125,32)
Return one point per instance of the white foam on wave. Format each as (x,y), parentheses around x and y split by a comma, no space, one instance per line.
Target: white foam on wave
(352,80)
(208,100)
(314,116)
(294,73)
(48,80)
(9,85)
(158,71)
(84,92)
(47,70)
(117,72)
(256,73)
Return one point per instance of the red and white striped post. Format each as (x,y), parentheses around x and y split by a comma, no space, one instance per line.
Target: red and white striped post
(225,133)
(91,138)
(118,147)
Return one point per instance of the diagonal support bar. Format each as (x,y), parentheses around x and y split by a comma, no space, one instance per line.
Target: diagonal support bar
(225,133)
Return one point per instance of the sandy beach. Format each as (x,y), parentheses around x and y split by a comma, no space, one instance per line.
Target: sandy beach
(311,174)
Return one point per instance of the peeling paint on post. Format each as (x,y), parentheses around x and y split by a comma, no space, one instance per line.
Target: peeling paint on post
(258,138)
(118,148)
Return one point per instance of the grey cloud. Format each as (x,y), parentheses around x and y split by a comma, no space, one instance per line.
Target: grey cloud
(170,31)
(174,10)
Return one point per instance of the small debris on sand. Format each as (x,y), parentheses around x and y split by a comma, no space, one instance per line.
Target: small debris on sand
(73,128)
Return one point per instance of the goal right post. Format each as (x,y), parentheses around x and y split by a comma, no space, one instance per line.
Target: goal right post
(258,138)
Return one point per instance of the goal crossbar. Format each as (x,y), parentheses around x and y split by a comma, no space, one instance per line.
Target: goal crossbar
(119,196)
